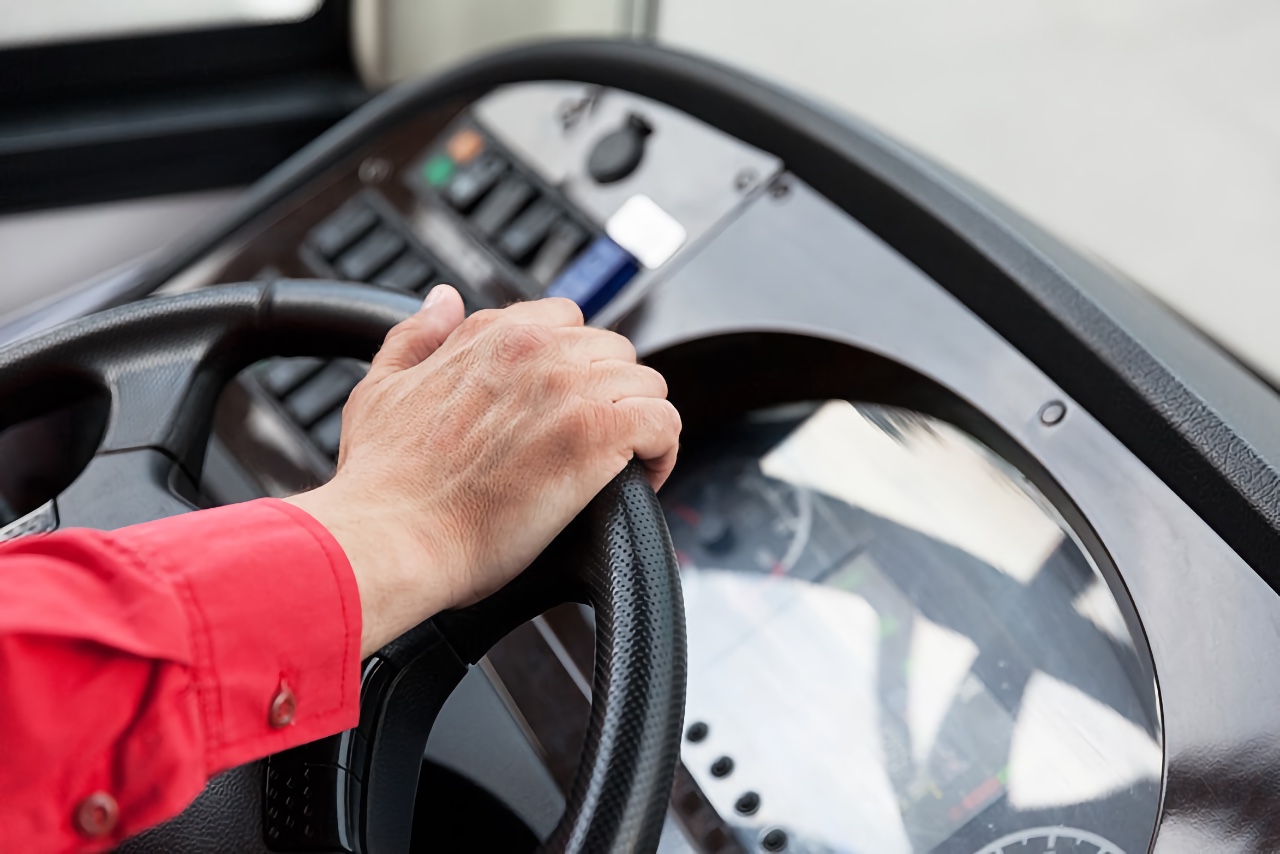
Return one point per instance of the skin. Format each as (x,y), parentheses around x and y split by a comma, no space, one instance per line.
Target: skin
(472,443)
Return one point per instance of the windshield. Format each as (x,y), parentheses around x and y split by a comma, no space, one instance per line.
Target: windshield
(28,23)
(1144,131)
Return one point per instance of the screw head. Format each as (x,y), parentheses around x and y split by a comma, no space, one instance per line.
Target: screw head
(375,170)
(722,767)
(1053,412)
(745,179)
(774,840)
(747,804)
(697,731)
(779,188)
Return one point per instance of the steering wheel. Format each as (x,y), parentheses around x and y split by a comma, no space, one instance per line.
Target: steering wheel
(163,362)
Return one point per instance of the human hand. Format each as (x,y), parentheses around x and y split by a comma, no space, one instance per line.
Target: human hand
(472,443)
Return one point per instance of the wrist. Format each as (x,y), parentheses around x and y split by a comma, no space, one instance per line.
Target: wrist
(400,580)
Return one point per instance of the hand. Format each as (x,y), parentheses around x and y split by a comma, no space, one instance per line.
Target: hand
(472,443)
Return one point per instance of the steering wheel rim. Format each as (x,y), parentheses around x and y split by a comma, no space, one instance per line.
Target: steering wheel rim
(163,363)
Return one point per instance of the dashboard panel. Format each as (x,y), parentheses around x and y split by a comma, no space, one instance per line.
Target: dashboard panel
(763,253)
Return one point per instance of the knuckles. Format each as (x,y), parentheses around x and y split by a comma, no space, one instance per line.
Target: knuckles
(571,309)
(520,345)
(588,423)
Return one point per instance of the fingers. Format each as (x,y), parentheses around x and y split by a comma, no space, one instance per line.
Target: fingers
(617,380)
(651,431)
(597,345)
(553,311)
(414,339)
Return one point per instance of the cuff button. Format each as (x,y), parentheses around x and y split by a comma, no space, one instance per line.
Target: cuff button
(96,815)
(283,707)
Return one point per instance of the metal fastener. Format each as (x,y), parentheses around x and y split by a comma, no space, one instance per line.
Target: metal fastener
(1053,412)
(375,170)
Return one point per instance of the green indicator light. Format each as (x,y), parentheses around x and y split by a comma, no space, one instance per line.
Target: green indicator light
(438,169)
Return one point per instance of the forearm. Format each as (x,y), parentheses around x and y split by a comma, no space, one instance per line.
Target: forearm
(139,662)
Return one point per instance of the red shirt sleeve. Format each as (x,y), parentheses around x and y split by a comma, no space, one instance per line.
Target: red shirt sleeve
(136,663)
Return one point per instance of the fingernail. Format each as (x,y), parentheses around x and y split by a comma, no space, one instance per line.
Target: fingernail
(432,298)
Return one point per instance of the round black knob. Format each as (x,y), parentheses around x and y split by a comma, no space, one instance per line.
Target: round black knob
(617,154)
(697,731)
(774,840)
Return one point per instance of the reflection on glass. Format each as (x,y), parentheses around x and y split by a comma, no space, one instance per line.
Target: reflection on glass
(901,645)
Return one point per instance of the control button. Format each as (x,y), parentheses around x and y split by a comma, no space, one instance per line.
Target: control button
(370,255)
(438,169)
(774,840)
(407,274)
(562,244)
(342,229)
(96,815)
(528,231)
(597,274)
(506,200)
(284,375)
(283,707)
(618,154)
(327,433)
(645,230)
(464,145)
(470,184)
(323,393)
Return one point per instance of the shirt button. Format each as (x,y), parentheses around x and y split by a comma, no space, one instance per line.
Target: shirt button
(96,815)
(283,707)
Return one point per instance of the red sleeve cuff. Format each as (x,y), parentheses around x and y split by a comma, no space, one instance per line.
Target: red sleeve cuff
(275,624)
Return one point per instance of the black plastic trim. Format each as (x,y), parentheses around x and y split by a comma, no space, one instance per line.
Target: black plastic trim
(173,61)
(170,112)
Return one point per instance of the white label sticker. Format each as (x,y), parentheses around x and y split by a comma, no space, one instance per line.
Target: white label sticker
(646,231)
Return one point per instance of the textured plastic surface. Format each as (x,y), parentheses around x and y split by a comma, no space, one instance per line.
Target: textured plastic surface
(617,557)
(630,574)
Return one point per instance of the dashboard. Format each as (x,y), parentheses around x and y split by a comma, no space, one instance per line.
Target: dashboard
(977,543)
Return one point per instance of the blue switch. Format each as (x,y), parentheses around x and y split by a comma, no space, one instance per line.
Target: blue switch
(597,274)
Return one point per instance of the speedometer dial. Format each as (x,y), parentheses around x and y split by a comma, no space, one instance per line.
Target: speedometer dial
(896,644)
(1051,840)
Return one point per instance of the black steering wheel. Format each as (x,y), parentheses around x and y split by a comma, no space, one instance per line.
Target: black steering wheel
(163,362)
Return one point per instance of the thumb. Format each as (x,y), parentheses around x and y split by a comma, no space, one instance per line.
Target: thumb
(415,338)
